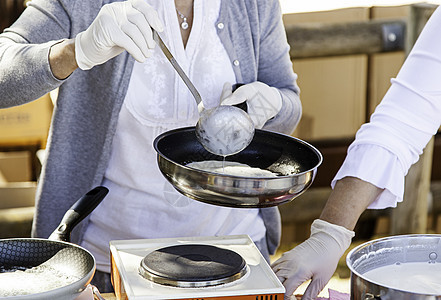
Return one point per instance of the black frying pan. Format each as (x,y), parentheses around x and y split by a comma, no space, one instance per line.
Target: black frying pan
(72,267)
(294,160)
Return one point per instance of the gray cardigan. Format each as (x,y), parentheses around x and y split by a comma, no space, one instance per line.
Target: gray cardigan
(86,112)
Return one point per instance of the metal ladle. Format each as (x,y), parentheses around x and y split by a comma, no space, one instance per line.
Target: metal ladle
(222,130)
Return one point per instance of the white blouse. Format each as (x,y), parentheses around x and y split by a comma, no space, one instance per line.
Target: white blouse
(141,203)
(401,126)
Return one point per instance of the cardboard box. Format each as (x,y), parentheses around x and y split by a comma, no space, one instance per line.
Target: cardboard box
(332,89)
(340,93)
(17,194)
(15,166)
(384,66)
(16,189)
(333,95)
(26,124)
(351,14)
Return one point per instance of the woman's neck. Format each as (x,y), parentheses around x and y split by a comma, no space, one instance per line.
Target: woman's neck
(184,10)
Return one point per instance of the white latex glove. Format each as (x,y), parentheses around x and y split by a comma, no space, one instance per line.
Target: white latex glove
(316,259)
(263,101)
(118,26)
(226,92)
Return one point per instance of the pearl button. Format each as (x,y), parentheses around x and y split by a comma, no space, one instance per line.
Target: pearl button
(220,25)
(236,62)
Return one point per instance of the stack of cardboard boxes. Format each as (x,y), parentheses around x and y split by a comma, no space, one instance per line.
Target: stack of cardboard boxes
(23,130)
(17,194)
(338,95)
(26,124)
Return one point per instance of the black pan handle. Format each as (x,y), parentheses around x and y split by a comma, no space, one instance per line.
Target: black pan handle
(370,296)
(242,105)
(81,209)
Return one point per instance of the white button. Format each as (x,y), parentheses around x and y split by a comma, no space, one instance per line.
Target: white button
(220,25)
(236,62)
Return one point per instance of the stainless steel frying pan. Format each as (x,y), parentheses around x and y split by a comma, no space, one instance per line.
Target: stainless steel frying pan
(294,160)
(49,258)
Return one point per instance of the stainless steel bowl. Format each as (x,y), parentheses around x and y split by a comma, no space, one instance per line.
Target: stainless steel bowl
(294,160)
(388,251)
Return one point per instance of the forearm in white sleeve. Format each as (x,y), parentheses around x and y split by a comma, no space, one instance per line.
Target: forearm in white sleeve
(404,122)
(378,166)
(410,113)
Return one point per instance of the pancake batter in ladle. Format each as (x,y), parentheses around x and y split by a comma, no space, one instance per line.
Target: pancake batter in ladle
(223,130)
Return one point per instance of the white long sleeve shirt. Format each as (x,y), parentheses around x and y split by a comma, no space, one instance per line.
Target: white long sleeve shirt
(401,126)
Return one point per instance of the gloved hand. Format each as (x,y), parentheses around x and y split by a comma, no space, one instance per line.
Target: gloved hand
(263,101)
(316,259)
(118,26)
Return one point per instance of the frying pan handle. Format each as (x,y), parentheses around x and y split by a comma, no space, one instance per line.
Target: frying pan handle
(242,105)
(81,209)
(369,296)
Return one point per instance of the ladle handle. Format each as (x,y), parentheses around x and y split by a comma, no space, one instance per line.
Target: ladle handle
(177,67)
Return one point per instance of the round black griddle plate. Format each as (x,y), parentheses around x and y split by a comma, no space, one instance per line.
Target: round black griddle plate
(192,265)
